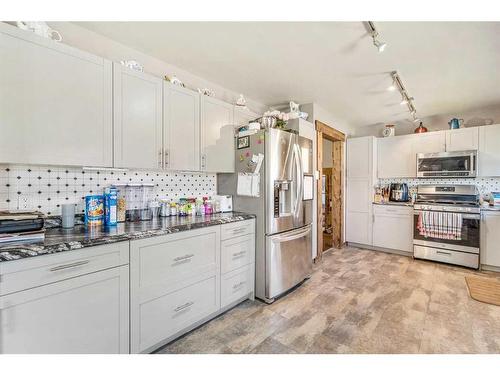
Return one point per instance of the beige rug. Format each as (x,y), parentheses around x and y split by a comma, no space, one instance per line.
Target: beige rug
(484,290)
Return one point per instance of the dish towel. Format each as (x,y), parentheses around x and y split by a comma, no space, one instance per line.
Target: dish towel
(442,225)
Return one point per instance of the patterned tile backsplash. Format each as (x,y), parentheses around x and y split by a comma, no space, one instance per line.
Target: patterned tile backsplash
(45,188)
(485,185)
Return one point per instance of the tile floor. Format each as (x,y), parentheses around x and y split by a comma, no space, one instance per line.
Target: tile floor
(359,301)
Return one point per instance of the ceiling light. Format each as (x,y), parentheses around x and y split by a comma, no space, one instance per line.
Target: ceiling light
(405,100)
(374,34)
(392,87)
(416,119)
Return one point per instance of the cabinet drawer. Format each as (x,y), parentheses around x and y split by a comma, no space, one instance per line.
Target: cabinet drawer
(28,273)
(446,256)
(160,262)
(237,284)
(237,252)
(239,228)
(392,210)
(163,317)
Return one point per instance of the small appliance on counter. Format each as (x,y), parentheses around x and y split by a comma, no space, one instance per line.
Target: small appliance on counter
(398,192)
(224,202)
(21,226)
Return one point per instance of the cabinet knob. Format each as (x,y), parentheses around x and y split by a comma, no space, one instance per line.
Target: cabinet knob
(203,162)
(160,160)
(166,157)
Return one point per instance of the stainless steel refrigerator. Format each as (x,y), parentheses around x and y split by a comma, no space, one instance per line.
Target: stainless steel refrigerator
(283,208)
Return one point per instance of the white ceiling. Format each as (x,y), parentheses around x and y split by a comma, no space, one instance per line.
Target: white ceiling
(446,66)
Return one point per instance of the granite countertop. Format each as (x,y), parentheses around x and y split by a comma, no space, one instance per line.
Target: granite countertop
(407,204)
(59,239)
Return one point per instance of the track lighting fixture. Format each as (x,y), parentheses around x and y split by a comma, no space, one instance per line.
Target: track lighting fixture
(406,99)
(374,34)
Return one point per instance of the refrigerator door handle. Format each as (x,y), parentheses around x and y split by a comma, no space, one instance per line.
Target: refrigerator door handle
(299,182)
(293,236)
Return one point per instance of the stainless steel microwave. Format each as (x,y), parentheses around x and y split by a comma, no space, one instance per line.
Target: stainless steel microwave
(447,164)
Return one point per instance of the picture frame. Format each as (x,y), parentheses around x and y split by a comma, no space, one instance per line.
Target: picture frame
(243,142)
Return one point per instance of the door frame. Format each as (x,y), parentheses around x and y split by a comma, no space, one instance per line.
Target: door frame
(323,131)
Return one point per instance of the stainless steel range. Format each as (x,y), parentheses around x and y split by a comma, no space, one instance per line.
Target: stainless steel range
(447,224)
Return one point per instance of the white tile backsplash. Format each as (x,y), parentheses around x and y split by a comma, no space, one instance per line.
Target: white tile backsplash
(485,185)
(46,187)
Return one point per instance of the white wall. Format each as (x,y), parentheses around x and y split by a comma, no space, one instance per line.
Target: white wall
(84,39)
(480,116)
(327,153)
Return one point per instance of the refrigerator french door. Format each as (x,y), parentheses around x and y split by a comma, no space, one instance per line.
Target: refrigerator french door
(283,210)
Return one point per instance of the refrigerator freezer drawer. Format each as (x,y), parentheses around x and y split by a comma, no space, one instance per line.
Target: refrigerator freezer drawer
(288,260)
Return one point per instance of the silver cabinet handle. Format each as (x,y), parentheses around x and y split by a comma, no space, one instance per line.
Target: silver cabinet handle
(184,258)
(239,230)
(203,162)
(166,157)
(442,252)
(239,253)
(183,307)
(69,265)
(239,285)
(160,160)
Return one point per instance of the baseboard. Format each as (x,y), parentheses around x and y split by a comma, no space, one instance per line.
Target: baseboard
(381,249)
(485,267)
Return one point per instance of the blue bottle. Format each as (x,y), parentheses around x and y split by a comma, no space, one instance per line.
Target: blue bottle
(110,206)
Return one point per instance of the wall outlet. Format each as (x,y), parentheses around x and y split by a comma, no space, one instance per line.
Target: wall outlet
(22,202)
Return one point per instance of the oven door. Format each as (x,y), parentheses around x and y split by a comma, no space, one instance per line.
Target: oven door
(468,243)
(447,164)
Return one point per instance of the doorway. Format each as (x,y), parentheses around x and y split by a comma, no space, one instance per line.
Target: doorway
(330,188)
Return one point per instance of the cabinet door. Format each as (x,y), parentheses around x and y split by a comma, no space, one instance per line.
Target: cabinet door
(462,139)
(428,143)
(489,151)
(359,211)
(137,119)
(359,157)
(393,232)
(396,157)
(242,116)
(217,135)
(490,239)
(181,119)
(55,102)
(85,314)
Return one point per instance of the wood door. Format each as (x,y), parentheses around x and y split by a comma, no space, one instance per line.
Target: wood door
(84,314)
(217,135)
(56,102)
(326,200)
(181,119)
(137,119)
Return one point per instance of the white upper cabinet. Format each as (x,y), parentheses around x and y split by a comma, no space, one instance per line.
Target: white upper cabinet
(137,119)
(427,143)
(181,132)
(489,151)
(396,157)
(55,102)
(217,135)
(360,156)
(242,116)
(462,139)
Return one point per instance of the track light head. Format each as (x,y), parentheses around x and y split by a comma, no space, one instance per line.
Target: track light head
(392,87)
(380,45)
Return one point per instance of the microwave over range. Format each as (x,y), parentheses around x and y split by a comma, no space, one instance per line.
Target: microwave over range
(447,164)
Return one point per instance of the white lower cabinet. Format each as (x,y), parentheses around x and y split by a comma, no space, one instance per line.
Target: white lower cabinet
(84,314)
(490,239)
(393,227)
(180,280)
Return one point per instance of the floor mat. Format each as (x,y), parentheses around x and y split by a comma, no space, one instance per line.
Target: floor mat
(484,290)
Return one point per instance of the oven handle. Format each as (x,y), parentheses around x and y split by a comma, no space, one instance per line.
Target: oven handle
(465,216)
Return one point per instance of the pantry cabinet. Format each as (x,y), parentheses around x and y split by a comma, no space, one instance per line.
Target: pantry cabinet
(217,135)
(137,119)
(462,139)
(56,102)
(490,239)
(489,151)
(181,133)
(361,167)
